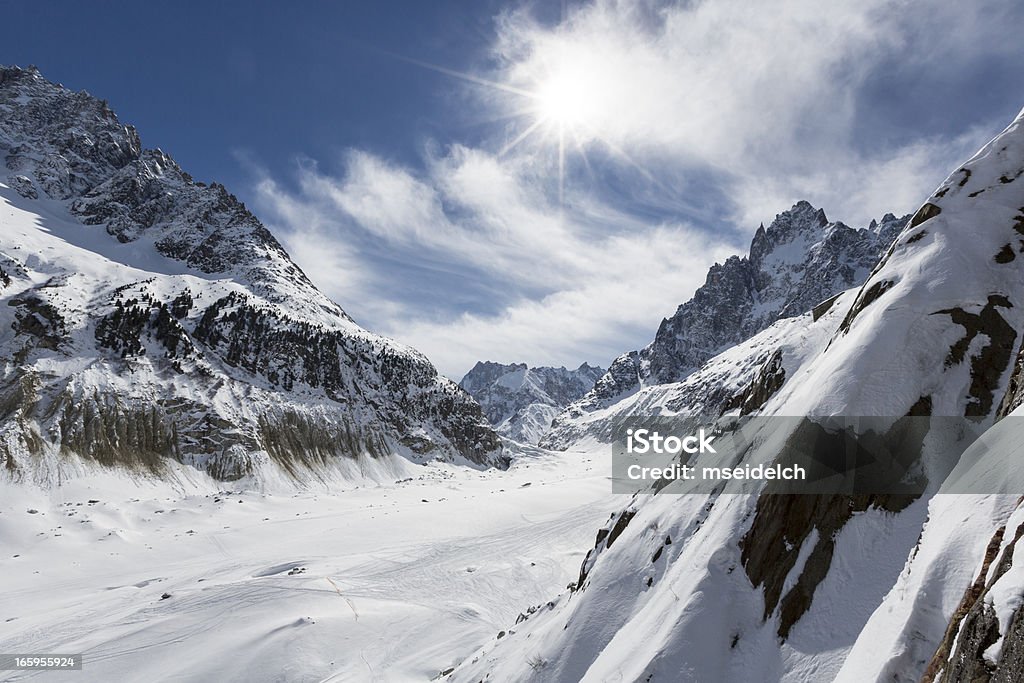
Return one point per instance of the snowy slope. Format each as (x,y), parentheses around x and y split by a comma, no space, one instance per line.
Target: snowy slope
(801,260)
(954,614)
(826,587)
(391,581)
(521,401)
(150,318)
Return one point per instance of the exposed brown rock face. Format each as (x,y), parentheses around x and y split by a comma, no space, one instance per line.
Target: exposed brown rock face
(773,542)
(989,365)
(969,601)
(974,627)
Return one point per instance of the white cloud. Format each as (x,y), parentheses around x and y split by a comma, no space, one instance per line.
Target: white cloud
(617,306)
(767,94)
(896,182)
(555,290)
(384,199)
(719,110)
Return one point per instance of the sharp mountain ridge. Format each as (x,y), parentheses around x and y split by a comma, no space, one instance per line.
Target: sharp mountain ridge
(149,320)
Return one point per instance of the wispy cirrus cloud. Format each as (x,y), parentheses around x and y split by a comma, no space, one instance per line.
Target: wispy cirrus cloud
(472,259)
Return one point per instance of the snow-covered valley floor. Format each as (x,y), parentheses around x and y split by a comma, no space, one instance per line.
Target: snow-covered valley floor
(389,582)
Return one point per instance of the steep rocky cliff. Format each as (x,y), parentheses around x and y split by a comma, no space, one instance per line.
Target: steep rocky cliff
(799,261)
(149,317)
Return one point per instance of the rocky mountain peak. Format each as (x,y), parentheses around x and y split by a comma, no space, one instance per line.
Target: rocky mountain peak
(180,328)
(800,260)
(70,146)
(485,372)
(76,125)
(802,220)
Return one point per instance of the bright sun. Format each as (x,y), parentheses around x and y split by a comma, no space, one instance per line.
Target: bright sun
(568,99)
(562,101)
(568,105)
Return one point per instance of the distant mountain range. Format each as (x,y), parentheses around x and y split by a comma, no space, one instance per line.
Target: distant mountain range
(521,401)
(801,260)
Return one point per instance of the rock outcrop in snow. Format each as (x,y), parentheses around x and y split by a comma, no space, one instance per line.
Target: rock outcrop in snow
(708,587)
(148,317)
(521,401)
(801,260)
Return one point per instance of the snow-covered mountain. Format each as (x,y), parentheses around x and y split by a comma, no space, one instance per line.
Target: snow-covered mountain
(150,319)
(521,401)
(800,261)
(837,587)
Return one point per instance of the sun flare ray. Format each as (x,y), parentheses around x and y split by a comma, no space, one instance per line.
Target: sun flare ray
(519,138)
(563,104)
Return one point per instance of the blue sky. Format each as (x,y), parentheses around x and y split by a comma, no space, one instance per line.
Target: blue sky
(379,140)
